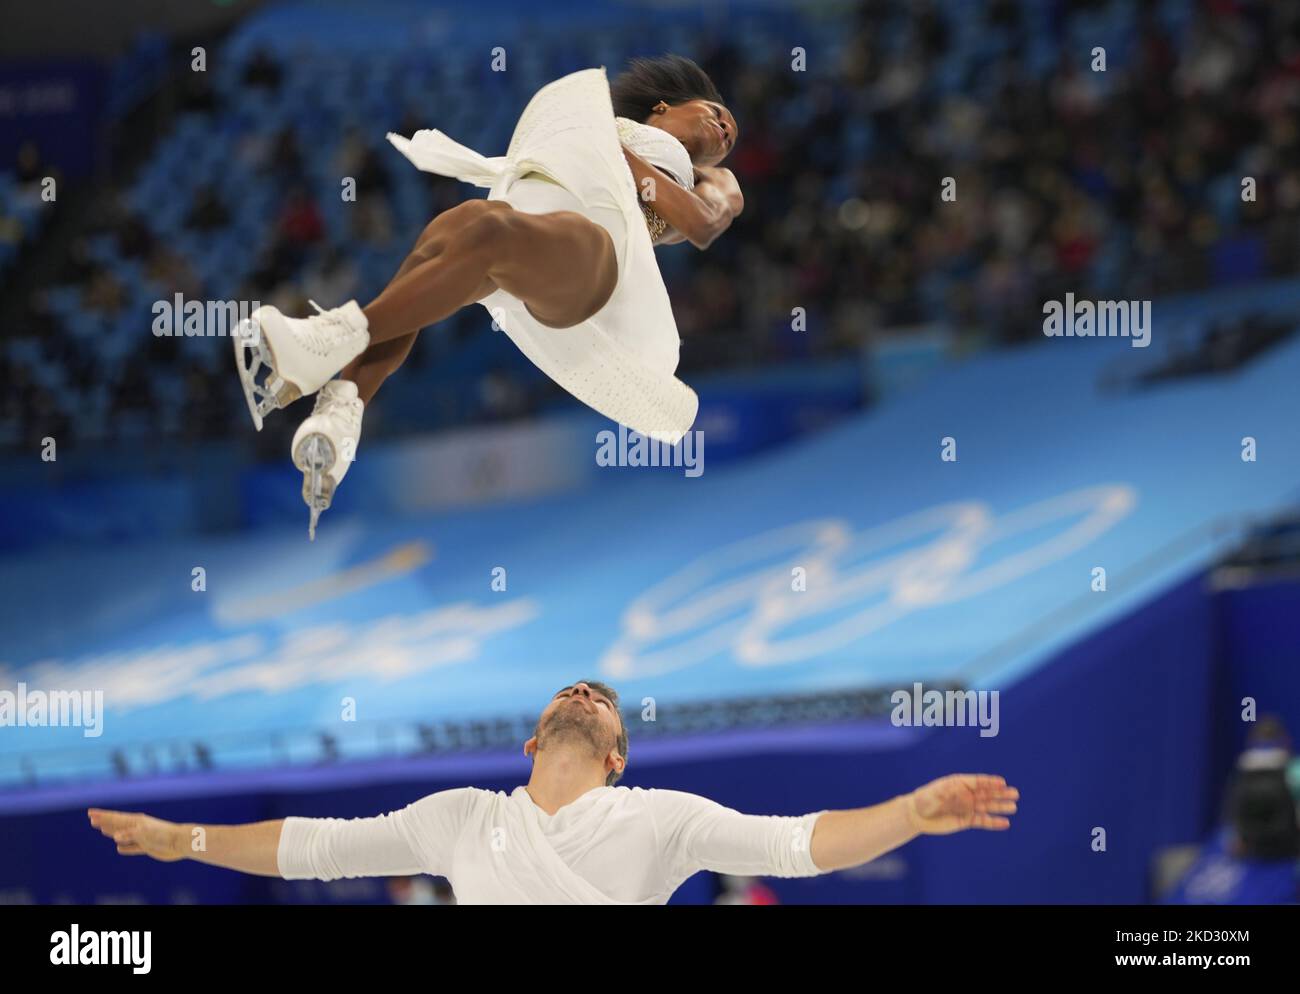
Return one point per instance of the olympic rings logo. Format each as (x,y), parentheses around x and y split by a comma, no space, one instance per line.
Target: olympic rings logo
(738,601)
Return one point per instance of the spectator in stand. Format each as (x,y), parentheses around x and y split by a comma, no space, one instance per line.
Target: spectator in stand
(1262,805)
(262,71)
(30,171)
(744,890)
(359,161)
(134,239)
(286,162)
(300,222)
(420,890)
(371,222)
(207,212)
(332,277)
(171,271)
(104,295)
(197,94)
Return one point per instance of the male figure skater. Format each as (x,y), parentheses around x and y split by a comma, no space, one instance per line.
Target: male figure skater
(570,836)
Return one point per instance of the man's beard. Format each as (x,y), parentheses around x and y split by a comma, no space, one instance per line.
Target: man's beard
(574,724)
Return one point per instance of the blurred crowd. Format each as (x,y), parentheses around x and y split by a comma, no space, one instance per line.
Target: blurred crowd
(1117,184)
(1122,183)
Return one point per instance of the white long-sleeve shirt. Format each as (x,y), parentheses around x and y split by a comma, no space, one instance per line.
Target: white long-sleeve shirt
(613,845)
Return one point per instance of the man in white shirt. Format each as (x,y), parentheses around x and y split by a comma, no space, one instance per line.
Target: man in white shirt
(570,836)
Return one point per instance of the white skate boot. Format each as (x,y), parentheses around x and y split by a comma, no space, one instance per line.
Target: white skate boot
(299,354)
(325,445)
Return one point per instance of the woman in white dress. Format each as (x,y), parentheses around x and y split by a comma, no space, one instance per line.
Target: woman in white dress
(561,253)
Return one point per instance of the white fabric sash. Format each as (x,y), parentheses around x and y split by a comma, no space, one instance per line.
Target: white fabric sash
(552,875)
(433,152)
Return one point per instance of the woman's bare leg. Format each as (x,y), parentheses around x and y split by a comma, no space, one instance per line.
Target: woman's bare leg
(561,265)
(369,370)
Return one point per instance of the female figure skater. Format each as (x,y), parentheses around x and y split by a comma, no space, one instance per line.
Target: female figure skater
(561,253)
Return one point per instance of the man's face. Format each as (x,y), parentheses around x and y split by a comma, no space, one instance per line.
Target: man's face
(580,714)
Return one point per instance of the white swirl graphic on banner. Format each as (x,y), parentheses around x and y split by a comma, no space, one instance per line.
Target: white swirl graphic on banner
(737,600)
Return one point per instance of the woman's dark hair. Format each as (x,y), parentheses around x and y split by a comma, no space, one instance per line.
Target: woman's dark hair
(673,79)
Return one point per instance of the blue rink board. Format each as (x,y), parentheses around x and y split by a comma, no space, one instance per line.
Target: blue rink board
(678,588)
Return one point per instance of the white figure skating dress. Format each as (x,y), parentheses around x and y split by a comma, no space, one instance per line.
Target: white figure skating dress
(566,155)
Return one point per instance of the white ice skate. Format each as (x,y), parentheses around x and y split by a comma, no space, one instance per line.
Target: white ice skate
(325,445)
(298,354)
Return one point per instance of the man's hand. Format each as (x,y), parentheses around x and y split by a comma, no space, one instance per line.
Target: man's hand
(963,800)
(252,848)
(140,835)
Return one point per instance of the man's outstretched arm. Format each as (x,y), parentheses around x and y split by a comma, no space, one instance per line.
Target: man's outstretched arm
(842,839)
(248,848)
(414,839)
(700,834)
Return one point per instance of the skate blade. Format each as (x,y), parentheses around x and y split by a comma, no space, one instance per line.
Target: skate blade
(315,457)
(273,392)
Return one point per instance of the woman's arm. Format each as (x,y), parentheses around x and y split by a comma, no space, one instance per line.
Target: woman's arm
(698,216)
